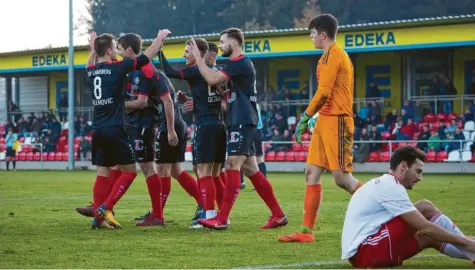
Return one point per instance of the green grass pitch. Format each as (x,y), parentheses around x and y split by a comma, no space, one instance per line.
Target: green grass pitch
(39,227)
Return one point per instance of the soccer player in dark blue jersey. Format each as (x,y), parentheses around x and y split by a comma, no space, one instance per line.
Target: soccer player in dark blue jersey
(242,125)
(111,145)
(141,99)
(209,144)
(169,154)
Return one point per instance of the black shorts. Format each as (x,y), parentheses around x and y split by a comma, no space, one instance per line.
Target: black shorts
(259,137)
(10,152)
(164,152)
(209,144)
(143,139)
(111,146)
(241,140)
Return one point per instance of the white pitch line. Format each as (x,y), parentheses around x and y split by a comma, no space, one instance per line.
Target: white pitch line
(307,264)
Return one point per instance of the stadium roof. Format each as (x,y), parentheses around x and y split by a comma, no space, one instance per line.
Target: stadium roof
(417,22)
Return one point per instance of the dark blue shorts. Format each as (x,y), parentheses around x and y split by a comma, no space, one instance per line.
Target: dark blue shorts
(209,144)
(164,152)
(111,146)
(259,137)
(144,140)
(10,152)
(241,140)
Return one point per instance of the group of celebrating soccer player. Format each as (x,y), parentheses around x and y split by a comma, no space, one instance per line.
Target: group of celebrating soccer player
(132,99)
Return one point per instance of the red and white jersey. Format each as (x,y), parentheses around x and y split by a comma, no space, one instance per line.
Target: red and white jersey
(374,204)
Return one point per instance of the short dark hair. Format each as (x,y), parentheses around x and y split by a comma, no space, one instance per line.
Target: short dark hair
(202,45)
(324,23)
(131,40)
(102,43)
(409,154)
(212,47)
(235,33)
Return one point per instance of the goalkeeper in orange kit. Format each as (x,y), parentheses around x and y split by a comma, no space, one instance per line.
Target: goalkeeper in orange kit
(332,138)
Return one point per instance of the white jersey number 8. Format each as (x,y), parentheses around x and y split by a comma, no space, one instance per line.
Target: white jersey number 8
(97,87)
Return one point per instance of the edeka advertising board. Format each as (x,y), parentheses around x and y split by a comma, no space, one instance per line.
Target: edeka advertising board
(289,45)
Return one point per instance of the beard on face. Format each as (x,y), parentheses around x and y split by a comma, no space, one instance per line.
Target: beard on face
(227,51)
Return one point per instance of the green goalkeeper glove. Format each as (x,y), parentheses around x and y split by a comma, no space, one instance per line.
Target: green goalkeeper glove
(301,126)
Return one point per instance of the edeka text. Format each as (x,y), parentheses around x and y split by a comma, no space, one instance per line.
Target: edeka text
(257,46)
(48,60)
(370,39)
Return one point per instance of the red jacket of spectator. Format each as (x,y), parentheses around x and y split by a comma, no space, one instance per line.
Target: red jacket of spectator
(409,130)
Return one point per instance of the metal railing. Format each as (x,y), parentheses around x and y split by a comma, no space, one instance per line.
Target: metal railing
(435,102)
(464,150)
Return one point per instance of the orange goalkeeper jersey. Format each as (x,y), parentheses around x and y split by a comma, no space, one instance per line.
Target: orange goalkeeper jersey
(335,77)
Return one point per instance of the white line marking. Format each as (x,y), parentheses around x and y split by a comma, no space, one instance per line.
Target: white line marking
(307,264)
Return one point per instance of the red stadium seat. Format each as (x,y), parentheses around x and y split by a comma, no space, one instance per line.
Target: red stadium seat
(442,156)
(3,147)
(305,147)
(402,144)
(385,135)
(441,116)
(45,156)
(305,137)
(429,118)
(280,156)
(300,156)
(373,157)
(296,147)
(58,156)
(293,137)
(22,156)
(51,156)
(266,146)
(431,156)
(78,139)
(452,116)
(290,156)
(270,156)
(65,156)
(384,156)
(189,147)
(2,140)
(29,156)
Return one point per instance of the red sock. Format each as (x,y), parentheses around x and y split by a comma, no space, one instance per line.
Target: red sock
(264,189)
(224,177)
(166,187)
(155,191)
(119,189)
(188,183)
(113,176)
(231,191)
(208,192)
(100,191)
(219,186)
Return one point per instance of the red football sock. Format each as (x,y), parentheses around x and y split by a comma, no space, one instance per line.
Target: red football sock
(231,191)
(219,186)
(208,192)
(100,191)
(119,189)
(166,187)
(190,185)
(113,176)
(155,191)
(224,177)
(264,189)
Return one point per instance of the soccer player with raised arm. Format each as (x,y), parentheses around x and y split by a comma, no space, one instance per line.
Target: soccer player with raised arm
(111,145)
(332,139)
(242,126)
(383,227)
(209,144)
